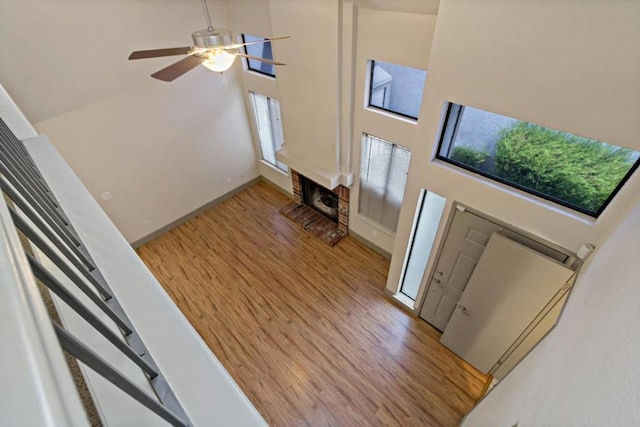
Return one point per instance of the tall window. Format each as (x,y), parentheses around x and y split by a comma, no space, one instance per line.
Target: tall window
(577,172)
(396,88)
(383,174)
(266,112)
(262,50)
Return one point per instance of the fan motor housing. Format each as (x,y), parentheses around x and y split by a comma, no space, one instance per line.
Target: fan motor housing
(211,38)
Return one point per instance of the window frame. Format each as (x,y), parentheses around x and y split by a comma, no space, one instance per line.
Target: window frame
(362,216)
(372,65)
(448,135)
(248,64)
(256,128)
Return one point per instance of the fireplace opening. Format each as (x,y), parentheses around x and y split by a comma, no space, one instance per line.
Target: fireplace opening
(320,198)
(322,212)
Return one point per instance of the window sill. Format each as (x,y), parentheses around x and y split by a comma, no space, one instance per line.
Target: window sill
(404,300)
(391,115)
(275,168)
(372,223)
(586,219)
(259,74)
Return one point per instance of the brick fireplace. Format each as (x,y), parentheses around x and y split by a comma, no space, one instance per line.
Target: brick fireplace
(313,208)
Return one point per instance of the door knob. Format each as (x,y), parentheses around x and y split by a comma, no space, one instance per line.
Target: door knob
(463,309)
(436,280)
(439,273)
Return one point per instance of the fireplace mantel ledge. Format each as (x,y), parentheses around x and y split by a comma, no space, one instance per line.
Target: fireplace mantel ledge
(313,171)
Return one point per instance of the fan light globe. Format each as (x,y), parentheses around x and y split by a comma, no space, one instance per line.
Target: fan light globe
(219,61)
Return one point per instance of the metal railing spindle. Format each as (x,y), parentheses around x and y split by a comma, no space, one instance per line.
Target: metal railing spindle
(34,210)
(78,350)
(22,225)
(56,287)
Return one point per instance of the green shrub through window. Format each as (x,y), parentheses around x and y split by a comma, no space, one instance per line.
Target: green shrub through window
(581,173)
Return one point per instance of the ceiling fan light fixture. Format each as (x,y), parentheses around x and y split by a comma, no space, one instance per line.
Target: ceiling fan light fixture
(213,48)
(219,61)
(209,38)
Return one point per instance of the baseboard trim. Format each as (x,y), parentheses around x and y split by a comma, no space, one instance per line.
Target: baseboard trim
(370,245)
(159,232)
(276,186)
(162,230)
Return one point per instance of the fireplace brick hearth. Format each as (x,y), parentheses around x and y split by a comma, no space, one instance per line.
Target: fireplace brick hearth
(314,221)
(297,186)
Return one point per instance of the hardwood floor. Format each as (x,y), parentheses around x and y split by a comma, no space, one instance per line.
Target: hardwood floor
(305,329)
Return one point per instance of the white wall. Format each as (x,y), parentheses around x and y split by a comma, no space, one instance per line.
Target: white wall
(253,17)
(326,74)
(308,84)
(389,37)
(161,149)
(429,7)
(586,372)
(566,65)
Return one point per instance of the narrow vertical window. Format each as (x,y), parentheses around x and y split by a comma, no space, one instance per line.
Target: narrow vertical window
(266,112)
(383,174)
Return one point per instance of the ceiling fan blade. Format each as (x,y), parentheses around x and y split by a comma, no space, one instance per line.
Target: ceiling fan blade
(257,58)
(156,53)
(237,45)
(177,69)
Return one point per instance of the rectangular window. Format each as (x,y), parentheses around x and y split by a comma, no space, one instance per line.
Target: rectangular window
(263,50)
(266,112)
(383,174)
(580,173)
(396,88)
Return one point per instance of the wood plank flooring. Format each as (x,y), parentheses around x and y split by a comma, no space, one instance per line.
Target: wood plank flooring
(305,329)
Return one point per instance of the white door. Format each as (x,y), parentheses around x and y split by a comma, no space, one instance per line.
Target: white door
(510,285)
(462,248)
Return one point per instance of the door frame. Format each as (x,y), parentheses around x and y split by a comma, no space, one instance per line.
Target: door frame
(573,261)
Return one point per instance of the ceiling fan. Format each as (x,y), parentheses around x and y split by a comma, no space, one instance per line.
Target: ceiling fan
(212,48)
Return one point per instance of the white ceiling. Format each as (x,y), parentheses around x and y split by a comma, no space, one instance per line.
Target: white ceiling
(83,58)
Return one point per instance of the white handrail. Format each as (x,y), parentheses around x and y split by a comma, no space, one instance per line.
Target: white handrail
(36,387)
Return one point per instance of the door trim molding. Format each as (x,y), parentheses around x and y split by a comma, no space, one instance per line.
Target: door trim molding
(574,262)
